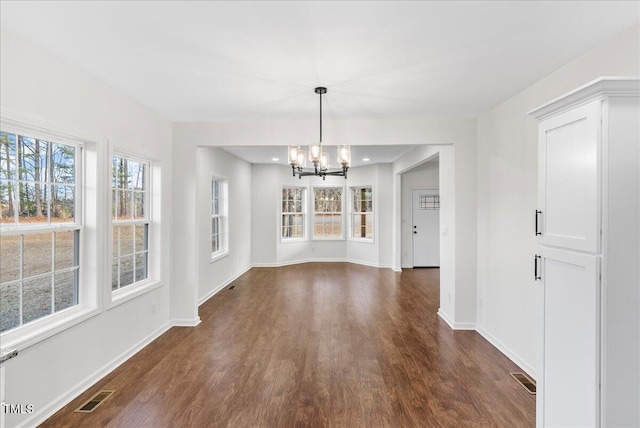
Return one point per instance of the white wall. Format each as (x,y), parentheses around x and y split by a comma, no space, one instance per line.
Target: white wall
(507,197)
(214,162)
(425,175)
(40,90)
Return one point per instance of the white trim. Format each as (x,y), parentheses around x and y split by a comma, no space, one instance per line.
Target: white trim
(52,325)
(186,322)
(456,325)
(507,352)
(50,409)
(215,291)
(130,292)
(323,260)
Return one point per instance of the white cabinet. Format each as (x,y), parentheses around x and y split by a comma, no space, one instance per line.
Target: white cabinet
(588,257)
(569,179)
(568,391)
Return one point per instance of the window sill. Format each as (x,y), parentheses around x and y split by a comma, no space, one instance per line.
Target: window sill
(218,256)
(292,240)
(327,239)
(132,291)
(31,334)
(362,240)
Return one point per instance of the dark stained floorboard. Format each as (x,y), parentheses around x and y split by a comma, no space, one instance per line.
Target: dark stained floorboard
(314,345)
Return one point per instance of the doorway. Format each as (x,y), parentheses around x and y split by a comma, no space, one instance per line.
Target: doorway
(426,227)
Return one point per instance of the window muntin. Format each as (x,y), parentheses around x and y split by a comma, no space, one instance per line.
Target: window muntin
(293,213)
(218,217)
(362,213)
(130,221)
(39,228)
(327,213)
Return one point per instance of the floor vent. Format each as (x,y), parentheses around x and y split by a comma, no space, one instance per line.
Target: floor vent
(232,287)
(525,381)
(94,402)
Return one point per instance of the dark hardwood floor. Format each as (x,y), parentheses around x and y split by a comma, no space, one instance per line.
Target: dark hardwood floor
(314,345)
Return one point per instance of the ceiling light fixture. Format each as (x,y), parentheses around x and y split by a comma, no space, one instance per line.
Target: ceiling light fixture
(319,158)
(365,159)
(275,159)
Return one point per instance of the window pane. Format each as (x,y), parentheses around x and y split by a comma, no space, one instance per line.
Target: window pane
(141,266)
(7,155)
(136,175)
(9,259)
(124,204)
(63,163)
(126,271)
(141,237)
(65,250)
(126,240)
(215,243)
(115,274)
(10,307)
(6,201)
(32,160)
(62,204)
(66,290)
(33,202)
(138,205)
(36,298)
(116,241)
(37,254)
(121,173)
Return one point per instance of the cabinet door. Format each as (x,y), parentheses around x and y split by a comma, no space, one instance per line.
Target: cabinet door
(569,178)
(568,382)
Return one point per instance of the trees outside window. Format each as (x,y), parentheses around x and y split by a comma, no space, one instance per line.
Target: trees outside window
(293,213)
(327,213)
(130,221)
(218,217)
(40,227)
(362,212)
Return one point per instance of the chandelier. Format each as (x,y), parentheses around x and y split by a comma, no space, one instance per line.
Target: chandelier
(319,158)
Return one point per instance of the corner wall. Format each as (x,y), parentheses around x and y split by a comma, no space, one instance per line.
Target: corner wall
(214,275)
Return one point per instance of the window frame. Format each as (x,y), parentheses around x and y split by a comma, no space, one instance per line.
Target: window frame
(223,216)
(39,329)
(152,281)
(314,212)
(305,234)
(352,212)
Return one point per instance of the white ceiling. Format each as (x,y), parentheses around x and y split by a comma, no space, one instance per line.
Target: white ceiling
(374,154)
(221,61)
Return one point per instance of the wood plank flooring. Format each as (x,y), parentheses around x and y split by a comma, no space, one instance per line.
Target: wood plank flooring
(314,345)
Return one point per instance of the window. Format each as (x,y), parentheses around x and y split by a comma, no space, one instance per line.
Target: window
(327,213)
(40,227)
(130,221)
(362,213)
(218,218)
(293,213)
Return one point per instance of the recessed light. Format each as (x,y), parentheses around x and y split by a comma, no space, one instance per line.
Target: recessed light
(275,159)
(365,159)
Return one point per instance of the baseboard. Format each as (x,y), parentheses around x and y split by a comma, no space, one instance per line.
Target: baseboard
(507,352)
(51,408)
(223,285)
(321,260)
(456,325)
(185,322)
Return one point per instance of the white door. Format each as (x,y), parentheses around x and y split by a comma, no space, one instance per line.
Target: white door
(568,377)
(426,228)
(569,174)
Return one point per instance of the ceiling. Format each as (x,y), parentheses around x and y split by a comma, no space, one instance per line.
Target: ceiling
(232,61)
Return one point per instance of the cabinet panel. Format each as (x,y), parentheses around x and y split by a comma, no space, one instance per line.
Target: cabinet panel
(569,387)
(570,156)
